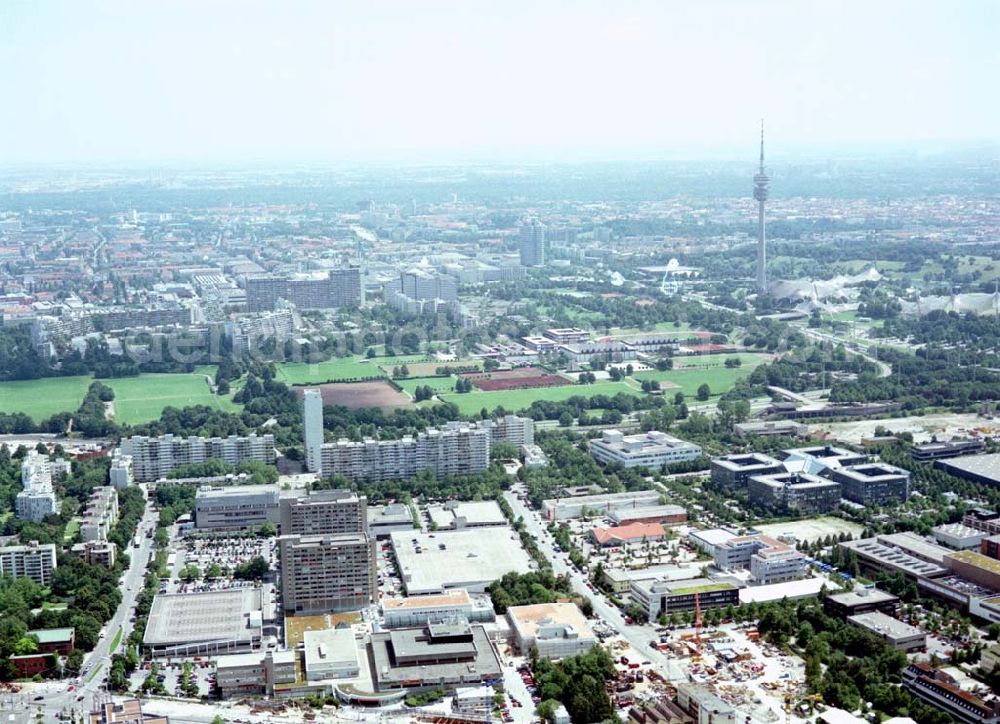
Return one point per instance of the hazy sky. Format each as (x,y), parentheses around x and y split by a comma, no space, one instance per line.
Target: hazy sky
(212,79)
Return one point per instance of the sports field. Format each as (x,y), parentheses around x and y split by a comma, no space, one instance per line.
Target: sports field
(514,400)
(719,379)
(333,370)
(43,398)
(141,399)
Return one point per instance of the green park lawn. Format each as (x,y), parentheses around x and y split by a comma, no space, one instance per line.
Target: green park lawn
(438,384)
(142,399)
(333,370)
(514,400)
(137,399)
(719,379)
(43,398)
(708,361)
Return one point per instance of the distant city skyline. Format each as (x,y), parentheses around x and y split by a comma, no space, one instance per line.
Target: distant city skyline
(117,81)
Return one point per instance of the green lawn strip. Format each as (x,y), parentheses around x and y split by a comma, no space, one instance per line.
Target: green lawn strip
(514,400)
(719,379)
(116,640)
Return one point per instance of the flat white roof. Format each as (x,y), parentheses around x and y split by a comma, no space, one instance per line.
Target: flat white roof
(469,558)
(330,647)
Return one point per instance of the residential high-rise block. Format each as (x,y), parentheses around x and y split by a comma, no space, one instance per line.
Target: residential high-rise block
(532,243)
(457,448)
(324,512)
(154,457)
(327,290)
(312,422)
(35,560)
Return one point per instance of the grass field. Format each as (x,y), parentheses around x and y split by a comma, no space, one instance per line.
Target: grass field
(71,528)
(43,398)
(333,370)
(438,384)
(708,361)
(137,399)
(141,399)
(513,400)
(680,330)
(719,379)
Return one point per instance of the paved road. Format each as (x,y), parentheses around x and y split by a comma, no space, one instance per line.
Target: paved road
(97,664)
(638,636)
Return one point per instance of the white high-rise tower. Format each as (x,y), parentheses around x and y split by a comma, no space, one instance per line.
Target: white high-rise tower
(312,424)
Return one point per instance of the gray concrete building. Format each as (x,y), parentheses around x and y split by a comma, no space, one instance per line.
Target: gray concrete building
(327,573)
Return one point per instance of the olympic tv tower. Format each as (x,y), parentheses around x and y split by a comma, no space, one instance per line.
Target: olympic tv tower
(761,185)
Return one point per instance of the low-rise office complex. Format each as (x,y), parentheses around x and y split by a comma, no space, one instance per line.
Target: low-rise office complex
(735,471)
(555,630)
(799,493)
(872,484)
(439,655)
(650,450)
(767,559)
(255,673)
(602,504)
(939,689)
(658,597)
(900,636)
(236,507)
(330,654)
(860,600)
(452,604)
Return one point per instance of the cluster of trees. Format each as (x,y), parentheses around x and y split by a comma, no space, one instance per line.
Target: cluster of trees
(845,665)
(517,589)
(259,473)
(922,380)
(463,384)
(423,392)
(577,682)
(966,338)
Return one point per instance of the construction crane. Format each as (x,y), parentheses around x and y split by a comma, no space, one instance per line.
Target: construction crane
(697,624)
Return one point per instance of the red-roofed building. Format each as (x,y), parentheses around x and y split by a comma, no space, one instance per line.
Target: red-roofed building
(631,533)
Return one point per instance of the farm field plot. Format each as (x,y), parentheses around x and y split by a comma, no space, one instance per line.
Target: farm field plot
(718,379)
(338,368)
(438,384)
(517,379)
(355,395)
(43,398)
(514,400)
(141,399)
